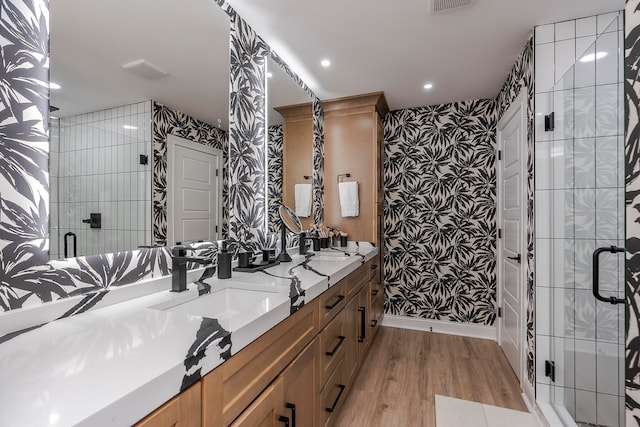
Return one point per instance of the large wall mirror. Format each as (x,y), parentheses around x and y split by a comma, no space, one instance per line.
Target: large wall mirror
(290,149)
(138,125)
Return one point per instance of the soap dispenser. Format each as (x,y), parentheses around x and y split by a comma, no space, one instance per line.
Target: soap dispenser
(224,262)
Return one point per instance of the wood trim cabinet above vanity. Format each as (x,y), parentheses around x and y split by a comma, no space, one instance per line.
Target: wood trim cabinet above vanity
(303,367)
(354,144)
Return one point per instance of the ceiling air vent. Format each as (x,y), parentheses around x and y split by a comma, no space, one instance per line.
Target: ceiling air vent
(439,6)
(145,69)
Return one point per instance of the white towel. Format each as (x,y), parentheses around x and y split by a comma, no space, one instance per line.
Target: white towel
(349,203)
(303,200)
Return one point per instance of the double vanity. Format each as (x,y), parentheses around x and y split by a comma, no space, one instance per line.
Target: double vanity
(276,347)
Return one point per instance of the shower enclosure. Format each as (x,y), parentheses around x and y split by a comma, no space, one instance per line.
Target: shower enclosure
(580,228)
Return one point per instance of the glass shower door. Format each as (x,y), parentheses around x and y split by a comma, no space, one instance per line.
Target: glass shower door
(586,198)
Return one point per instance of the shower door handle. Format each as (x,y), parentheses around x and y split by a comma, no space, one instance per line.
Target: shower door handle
(596,274)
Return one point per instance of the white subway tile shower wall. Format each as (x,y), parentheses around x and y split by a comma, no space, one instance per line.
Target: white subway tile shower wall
(100,171)
(579,201)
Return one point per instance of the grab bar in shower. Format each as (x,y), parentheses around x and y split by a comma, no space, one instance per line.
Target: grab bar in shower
(596,274)
(66,244)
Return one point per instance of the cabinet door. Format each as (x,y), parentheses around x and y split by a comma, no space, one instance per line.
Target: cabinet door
(181,411)
(266,410)
(301,387)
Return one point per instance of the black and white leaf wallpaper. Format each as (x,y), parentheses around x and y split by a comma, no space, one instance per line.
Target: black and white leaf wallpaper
(632,184)
(318,161)
(247,126)
(521,77)
(274,166)
(167,121)
(440,212)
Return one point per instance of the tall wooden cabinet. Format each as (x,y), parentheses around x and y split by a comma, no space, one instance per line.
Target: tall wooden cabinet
(354,144)
(297,153)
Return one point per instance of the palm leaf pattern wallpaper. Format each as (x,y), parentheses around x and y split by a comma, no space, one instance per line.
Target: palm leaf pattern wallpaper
(440,212)
(247,198)
(274,167)
(167,121)
(632,183)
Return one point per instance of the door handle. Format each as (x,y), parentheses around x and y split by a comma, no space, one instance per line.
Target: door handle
(596,275)
(516,258)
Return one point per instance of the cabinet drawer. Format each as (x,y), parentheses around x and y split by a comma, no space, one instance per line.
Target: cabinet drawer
(332,346)
(331,302)
(355,280)
(333,395)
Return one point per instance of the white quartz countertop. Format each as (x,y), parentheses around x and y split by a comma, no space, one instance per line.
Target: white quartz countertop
(114,365)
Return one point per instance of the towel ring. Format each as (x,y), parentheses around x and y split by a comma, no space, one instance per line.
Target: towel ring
(343,174)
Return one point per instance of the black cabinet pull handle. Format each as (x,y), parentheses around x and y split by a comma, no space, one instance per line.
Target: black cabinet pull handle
(596,275)
(374,323)
(332,306)
(293,412)
(363,329)
(335,403)
(332,352)
(284,420)
(374,292)
(373,266)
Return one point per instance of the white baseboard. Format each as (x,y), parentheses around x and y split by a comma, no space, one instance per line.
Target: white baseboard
(440,326)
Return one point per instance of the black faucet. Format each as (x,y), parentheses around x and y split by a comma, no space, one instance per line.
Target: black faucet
(302,241)
(179,260)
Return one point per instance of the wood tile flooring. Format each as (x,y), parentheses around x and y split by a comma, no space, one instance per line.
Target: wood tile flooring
(405,369)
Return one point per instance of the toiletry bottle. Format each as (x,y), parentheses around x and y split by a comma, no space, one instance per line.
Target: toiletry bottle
(224,262)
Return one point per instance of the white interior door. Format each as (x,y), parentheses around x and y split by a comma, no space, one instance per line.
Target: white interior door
(511,250)
(194,188)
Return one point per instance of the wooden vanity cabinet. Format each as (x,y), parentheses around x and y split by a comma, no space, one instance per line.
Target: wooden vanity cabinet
(302,368)
(181,411)
(297,153)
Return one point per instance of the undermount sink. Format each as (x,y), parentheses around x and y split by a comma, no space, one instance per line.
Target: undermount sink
(333,258)
(233,308)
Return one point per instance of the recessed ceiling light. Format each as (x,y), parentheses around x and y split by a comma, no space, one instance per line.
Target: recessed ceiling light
(54,85)
(269,75)
(593,56)
(325,63)
(428,86)
(129,127)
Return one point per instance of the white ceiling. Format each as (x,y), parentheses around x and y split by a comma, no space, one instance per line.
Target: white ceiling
(398,46)
(374,45)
